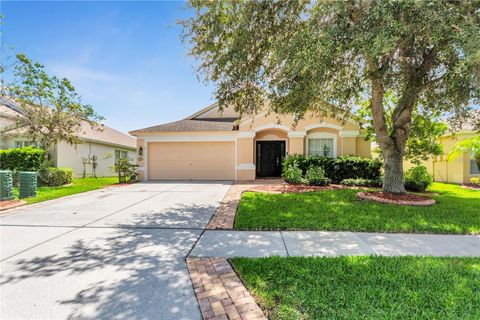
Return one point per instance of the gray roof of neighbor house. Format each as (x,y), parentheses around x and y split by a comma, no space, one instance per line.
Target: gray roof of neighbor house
(204,124)
(106,135)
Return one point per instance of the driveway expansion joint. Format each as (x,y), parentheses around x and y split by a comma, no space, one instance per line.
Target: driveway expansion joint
(284,244)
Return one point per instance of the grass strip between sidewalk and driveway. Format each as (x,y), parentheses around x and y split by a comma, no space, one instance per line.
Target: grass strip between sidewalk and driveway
(363,287)
(456,212)
(77,186)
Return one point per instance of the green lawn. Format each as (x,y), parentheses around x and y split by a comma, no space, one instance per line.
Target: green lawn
(77,186)
(364,287)
(457,211)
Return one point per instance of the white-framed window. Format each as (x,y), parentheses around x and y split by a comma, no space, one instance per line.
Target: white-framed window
(23,143)
(120,154)
(322,144)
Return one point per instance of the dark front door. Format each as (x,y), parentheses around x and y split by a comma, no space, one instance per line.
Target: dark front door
(269,158)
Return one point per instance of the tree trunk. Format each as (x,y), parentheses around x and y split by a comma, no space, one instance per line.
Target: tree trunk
(393,167)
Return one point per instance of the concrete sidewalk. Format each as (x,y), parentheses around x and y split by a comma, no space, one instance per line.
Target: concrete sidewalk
(216,243)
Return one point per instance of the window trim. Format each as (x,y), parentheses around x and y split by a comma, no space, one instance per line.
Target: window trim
(322,135)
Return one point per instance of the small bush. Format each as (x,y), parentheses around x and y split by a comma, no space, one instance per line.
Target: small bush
(126,170)
(55,176)
(315,176)
(340,168)
(293,174)
(362,183)
(418,179)
(475,181)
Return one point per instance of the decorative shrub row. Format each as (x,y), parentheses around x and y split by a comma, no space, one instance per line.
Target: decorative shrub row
(55,176)
(315,176)
(338,169)
(22,159)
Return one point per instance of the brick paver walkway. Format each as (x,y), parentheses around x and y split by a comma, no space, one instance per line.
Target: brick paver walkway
(220,293)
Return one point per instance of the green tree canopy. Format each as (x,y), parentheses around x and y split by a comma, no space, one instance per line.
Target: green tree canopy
(327,56)
(422,143)
(52,110)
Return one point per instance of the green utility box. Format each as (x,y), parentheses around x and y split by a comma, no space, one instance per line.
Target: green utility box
(27,184)
(6,185)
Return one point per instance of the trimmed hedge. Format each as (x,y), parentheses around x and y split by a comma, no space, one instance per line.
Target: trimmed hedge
(362,183)
(55,176)
(338,169)
(22,159)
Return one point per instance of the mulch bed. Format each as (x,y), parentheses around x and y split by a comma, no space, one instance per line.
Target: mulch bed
(8,204)
(400,199)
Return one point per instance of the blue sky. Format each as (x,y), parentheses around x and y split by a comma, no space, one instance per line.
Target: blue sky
(124,58)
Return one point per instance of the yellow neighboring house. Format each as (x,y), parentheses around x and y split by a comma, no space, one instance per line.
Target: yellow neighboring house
(459,170)
(214,145)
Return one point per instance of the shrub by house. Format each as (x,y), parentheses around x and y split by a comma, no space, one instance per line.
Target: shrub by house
(337,169)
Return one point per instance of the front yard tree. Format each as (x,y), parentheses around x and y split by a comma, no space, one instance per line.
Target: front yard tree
(326,56)
(52,110)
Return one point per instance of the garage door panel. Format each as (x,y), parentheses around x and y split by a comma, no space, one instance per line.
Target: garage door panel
(191,160)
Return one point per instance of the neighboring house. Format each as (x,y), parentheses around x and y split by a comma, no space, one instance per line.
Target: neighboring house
(96,155)
(214,145)
(459,170)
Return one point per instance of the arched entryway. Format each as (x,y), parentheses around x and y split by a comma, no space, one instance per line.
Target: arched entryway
(271,147)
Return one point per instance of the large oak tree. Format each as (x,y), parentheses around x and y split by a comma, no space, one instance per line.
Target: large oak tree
(326,56)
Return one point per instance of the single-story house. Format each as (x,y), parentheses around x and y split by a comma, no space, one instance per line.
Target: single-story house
(215,145)
(459,170)
(95,156)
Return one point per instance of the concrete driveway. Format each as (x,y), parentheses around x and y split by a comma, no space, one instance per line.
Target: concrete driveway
(117,253)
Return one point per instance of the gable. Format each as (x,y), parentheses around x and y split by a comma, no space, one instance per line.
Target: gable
(286,122)
(213,112)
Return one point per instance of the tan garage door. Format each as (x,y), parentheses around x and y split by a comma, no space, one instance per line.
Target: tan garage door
(191,160)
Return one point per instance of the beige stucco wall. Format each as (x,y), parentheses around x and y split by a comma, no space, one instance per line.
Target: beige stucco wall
(245,150)
(227,112)
(349,146)
(246,175)
(288,121)
(271,134)
(68,157)
(364,147)
(296,145)
(455,171)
